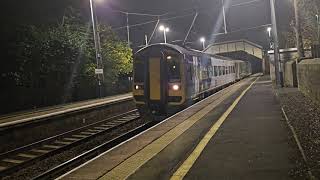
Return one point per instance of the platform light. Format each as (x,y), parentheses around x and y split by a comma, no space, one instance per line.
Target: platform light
(269,31)
(169,57)
(161,28)
(203,40)
(136,87)
(165,30)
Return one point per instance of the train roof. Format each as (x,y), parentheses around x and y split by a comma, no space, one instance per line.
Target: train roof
(184,50)
(171,46)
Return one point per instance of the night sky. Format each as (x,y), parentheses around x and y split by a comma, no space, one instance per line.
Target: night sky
(238,18)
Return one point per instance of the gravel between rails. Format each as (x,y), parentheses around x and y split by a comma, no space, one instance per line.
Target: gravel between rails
(46,164)
(304,116)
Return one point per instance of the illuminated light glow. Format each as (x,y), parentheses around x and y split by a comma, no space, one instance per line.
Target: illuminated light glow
(202,39)
(161,28)
(169,57)
(175,87)
(136,87)
(174,67)
(269,29)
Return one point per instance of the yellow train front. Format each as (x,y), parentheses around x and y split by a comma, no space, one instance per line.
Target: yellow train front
(167,78)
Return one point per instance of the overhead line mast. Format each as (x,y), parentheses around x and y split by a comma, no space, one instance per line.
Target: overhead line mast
(191,26)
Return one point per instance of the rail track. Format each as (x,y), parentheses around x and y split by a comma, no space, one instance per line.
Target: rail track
(77,161)
(25,156)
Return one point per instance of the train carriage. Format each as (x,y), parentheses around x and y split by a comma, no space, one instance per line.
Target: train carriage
(168,77)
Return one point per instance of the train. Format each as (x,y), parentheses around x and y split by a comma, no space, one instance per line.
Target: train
(168,78)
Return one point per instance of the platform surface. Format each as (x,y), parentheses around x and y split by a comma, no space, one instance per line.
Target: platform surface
(251,143)
(24,116)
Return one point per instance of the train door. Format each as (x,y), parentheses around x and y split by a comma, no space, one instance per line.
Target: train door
(155,78)
(156,83)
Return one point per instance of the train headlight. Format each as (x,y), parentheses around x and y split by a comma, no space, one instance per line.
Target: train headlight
(138,87)
(175,87)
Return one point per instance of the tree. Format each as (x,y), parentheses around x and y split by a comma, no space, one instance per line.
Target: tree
(308,10)
(54,64)
(117,57)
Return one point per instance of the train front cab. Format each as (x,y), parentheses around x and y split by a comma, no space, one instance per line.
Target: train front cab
(158,84)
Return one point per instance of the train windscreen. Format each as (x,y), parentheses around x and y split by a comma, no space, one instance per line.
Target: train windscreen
(173,68)
(138,71)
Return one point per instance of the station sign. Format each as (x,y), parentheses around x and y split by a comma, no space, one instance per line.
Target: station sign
(98,71)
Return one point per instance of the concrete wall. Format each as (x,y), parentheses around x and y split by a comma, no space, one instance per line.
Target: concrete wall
(23,134)
(286,55)
(309,78)
(290,74)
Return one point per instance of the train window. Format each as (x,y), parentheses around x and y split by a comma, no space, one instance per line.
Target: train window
(138,71)
(173,69)
(190,71)
(210,71)
(216,72)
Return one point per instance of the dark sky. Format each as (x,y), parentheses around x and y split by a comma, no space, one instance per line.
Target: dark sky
(207,23)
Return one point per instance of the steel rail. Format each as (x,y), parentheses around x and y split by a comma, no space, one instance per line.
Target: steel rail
(115,120)
(77,161)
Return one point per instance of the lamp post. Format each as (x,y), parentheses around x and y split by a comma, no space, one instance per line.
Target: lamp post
(165,30)
(277,64)
(269,29)
(97,45)
(203,40)
(318,27)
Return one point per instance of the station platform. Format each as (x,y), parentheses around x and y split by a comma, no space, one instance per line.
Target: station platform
(237,133)
(26,116)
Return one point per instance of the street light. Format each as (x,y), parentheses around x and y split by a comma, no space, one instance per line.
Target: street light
(203,40)
(165,30)
(269,31)
(270,39)
(318,27)
(97,45)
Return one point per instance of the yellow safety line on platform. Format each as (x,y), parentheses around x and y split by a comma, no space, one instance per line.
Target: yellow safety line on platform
(133,163)
(188,163)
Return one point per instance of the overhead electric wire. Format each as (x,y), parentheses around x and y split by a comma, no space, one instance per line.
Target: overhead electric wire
(245,3)
(153,21)
(251,28)
(139,14)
